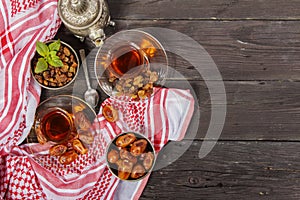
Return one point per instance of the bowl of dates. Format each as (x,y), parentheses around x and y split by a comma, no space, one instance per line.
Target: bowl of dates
(130,156)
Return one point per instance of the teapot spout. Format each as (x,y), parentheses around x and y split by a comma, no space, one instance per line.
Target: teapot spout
(97,36)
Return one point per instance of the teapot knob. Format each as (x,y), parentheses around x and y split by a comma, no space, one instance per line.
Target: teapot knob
(78,6)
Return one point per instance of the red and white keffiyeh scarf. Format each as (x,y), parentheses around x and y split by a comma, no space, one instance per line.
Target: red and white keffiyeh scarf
(21,25)
(164,117)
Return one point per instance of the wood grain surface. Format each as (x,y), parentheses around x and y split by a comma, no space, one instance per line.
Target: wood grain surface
(205,10)
(233,170)
(256,47)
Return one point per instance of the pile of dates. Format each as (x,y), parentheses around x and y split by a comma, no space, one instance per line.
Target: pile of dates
(130,157)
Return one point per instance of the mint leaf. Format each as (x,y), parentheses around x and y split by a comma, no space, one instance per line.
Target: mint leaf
(54,46)
(41,65)
(42,48)
(55,57)
(53,54)
(55,62)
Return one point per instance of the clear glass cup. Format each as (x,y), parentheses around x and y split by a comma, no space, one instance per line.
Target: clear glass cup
(59,120)
(126,55)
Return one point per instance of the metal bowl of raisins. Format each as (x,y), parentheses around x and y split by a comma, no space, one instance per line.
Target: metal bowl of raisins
(54,66)
(130,156)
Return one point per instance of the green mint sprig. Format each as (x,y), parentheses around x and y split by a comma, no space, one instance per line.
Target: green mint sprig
(49,56)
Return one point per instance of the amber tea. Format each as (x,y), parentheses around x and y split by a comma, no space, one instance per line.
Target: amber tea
(57,125)
(126,60)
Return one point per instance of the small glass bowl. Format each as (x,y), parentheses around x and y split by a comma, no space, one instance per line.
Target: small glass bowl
(119,158)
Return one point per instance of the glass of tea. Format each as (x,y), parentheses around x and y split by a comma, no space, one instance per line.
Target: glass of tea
(56,124)
(131,63)
(61,117)
(65,139)
(126,60)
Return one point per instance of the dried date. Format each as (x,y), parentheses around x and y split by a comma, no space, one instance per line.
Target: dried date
(86,137)
(125,140)
(125,169)
(126,155)
(139,87)
(57,150)
(81,121)
(110,113)
(148,160)
(137,171)
(79,147)
(68,157)
(113,156)
(138,147)
(123,175)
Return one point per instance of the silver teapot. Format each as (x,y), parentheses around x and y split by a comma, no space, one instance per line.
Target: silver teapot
(85,18)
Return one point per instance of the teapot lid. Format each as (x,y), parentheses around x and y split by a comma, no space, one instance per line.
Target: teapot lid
(79,14)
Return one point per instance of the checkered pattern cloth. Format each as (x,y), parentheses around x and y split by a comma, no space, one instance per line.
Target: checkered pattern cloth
(22,23)
(163,117)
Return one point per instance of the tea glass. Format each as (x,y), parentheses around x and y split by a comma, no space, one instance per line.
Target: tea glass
(125,55)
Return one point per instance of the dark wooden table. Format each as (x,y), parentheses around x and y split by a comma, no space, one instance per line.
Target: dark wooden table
(256,47)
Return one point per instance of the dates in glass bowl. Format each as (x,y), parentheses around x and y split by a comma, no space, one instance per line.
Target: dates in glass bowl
(130,156)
